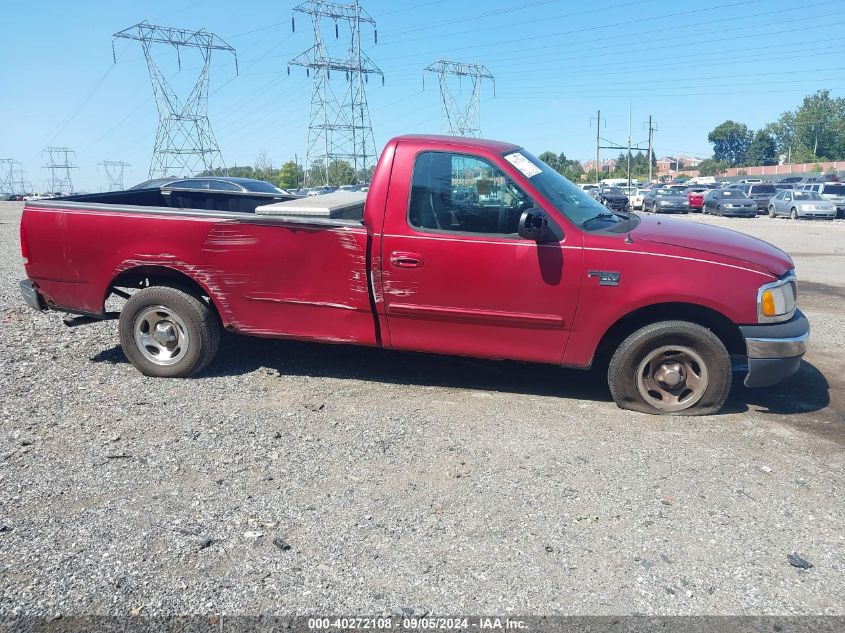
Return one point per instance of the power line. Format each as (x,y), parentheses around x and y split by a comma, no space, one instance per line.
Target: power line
(114,173)
(340,127)
(466,120)
(60,163)
(185,144)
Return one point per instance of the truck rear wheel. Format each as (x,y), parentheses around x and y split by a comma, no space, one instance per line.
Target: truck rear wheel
(167,332)
(671,367)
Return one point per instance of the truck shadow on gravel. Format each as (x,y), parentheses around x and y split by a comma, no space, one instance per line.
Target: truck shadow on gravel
(243,355)
(807,391)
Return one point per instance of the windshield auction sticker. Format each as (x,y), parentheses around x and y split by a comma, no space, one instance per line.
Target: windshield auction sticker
(524,165)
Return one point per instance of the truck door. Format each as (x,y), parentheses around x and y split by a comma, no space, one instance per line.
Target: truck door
(457,278)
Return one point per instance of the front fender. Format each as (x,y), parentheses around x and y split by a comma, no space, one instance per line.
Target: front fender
(650,279)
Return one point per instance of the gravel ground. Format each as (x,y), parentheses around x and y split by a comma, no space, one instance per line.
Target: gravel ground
(410,481)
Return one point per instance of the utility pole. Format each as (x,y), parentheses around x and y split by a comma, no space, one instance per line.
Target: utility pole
(629,144)
(598,121)
(456,120)
(652,128)
(340,128)
(184,144)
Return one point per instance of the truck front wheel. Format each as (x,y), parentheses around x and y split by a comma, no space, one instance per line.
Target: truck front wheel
(168,332)
(671,367)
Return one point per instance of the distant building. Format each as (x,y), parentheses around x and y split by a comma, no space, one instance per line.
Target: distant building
(671,165)
(607,166)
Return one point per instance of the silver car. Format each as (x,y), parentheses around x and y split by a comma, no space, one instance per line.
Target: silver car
(665,200)
(732,202)
(801,204)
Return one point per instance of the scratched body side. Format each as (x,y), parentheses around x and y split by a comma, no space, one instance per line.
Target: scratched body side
(272,280)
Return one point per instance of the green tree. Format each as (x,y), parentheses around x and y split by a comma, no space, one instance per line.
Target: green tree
(762,150)
(290,175)
(710,167)
(571,169)
(730,142)
(340,172)
(814,130)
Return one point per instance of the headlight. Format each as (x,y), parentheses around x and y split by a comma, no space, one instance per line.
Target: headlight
(730,206)
(776,300)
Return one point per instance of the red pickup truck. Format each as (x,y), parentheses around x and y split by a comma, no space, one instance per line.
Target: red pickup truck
(463,246)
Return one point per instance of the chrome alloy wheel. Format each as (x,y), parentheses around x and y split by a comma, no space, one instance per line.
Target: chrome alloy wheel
(672,378)
(161,335)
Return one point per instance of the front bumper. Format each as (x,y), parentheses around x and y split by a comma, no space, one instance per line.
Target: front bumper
(775,349)
(741,212)
(666,208)
(31,296)
(807,213)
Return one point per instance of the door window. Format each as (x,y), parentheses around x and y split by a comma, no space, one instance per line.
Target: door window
(464,194)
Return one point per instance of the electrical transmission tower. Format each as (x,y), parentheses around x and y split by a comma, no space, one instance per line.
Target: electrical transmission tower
(114,173)
(59,162)
(11,177)
(185,144)
(462,121)
(340,129)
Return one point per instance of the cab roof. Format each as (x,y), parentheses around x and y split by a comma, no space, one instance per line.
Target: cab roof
(498,147)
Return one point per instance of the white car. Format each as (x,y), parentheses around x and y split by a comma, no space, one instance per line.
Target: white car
(636,198)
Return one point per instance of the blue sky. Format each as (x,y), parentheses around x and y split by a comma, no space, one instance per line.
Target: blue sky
(690,64)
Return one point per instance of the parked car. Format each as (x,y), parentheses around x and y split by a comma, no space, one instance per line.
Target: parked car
(729,202)
(406,268)
(212,183)
(636,200)
(801,204)
(792,179)
(613,198)
(666,200)
(751,181)
(695,196)
(761,193)
(784,185)
(833,192)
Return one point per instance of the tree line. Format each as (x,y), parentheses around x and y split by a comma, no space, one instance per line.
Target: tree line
(291,175)
(813,132)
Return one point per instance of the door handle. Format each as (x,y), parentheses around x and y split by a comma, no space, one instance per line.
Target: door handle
(401,259)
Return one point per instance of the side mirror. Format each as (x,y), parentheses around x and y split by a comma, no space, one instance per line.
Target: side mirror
(533,224)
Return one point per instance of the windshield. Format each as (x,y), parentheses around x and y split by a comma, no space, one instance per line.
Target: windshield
(578,206)
(734,193)
(259,186)
(613,191)
(807,195)
(836,190)
(762,189)
(674,193)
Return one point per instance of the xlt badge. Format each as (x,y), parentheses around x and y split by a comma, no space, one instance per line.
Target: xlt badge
(606,277)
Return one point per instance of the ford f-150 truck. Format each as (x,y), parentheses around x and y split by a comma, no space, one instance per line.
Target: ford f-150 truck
(462,246)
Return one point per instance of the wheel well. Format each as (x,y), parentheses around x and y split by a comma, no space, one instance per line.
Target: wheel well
(727,331)
(146,276)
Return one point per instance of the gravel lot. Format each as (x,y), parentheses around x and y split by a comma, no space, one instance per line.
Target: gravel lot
(408,481)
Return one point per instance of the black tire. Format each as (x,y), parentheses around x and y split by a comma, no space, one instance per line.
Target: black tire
(719,210)
(793,214)
(771,211)
(194,322)
(623,374)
